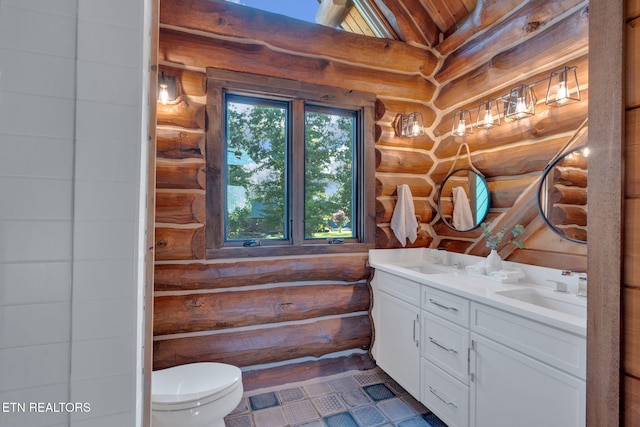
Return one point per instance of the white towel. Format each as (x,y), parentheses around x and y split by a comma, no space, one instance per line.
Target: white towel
(477,268)
(508,274)
(462,217)
(403,221)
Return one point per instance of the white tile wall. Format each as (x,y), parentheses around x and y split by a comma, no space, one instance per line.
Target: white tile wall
(26,74)
(36,156)
(36,241)
(108,395)
(27,367)
(34,324)
(40,393)
(37,31)
(95,122)
(36,283)
(104,279)
(117,50)
(36,115)
(73,77)
(59,7)
(102,358)
(48,199)
(107,83)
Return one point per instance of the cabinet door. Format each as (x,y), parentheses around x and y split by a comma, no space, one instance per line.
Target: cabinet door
(510,389)
(397,337)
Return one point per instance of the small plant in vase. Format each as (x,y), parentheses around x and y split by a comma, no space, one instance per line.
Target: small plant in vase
(493,261)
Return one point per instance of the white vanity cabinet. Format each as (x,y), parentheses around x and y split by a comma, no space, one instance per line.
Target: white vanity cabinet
(474,364)
(521,376)
(396,314)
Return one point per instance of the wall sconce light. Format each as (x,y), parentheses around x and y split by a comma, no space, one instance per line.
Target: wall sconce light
(521,103)
(563,87)
(409,125)
(166,89)
(488,114)
(462,124)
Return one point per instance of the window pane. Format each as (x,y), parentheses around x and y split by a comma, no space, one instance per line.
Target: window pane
(330,137)
(256,141)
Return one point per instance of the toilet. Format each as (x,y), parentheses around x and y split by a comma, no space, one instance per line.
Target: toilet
(195,395)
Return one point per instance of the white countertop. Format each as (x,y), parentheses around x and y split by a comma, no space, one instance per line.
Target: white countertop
(457,281)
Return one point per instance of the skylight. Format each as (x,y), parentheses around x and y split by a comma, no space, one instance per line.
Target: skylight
(304,10)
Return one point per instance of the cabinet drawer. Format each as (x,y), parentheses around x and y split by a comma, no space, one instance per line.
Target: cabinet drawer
(446,305)
(557,348)
(446,345)
(399,287)
(444,395)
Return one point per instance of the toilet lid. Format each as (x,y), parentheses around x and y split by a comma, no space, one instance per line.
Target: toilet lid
(193,381)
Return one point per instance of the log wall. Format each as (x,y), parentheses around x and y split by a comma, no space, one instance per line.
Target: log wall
(494,49)
(631,275)
(244,311)
(305,315)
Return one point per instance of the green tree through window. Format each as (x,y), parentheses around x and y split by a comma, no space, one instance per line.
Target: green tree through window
(257,170)
(329,172)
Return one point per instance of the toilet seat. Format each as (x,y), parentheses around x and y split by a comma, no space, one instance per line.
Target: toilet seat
(192,385)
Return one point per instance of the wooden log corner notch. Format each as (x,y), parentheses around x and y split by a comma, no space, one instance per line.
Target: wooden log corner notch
(331,13)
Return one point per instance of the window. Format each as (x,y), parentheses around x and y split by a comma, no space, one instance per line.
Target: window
(256,170)
(290,167)
(329,174)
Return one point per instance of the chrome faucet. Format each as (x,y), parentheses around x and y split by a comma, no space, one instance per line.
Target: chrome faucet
(560,286)
(582,281)
(582,285)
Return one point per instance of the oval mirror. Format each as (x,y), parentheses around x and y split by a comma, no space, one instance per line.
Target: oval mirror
(463,199)
(562,195)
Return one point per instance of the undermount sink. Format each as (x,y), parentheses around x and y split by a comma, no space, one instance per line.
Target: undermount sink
(430,269)
(557,301)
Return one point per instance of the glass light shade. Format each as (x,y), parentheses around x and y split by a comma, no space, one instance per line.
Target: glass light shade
(563,87)
(462,124)
(415,125)
(409,125)
(521,103)
(163,94)
(166,89)
(488,114)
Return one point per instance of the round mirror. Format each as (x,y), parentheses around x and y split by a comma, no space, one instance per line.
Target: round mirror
(463,199)
(562,195)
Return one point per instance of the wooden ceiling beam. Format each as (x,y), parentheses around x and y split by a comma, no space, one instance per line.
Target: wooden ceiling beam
(423,20)
(485,14)
(202,52)
(403,24)
(283,33)
(446,13)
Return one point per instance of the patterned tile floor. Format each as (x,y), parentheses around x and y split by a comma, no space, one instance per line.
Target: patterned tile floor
(354,399)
